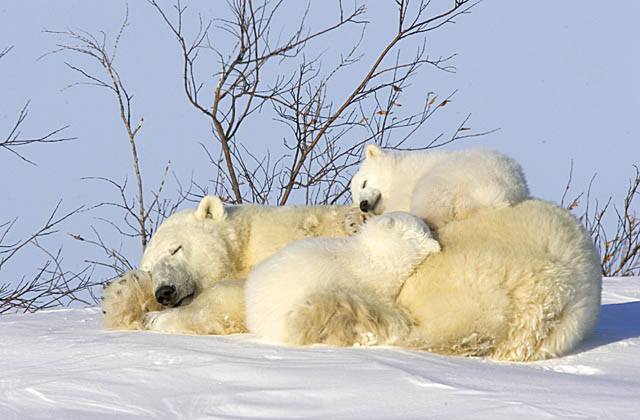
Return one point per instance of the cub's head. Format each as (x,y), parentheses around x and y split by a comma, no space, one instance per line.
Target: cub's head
(189,252)
(399,236)
(371,182)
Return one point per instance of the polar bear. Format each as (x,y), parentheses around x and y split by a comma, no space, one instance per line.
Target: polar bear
(374,263)
(436,185)
(520,283)
(191,277)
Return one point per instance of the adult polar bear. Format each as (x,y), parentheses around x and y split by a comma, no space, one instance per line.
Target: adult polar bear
(437,185)
(519,283)
(191,277)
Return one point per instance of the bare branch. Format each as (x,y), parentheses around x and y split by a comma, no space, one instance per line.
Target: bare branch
(615,231)
(51,285)
(13,139)
(316,155)
(5,51)
(84,43)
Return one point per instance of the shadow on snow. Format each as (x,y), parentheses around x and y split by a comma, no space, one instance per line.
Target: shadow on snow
(617,322)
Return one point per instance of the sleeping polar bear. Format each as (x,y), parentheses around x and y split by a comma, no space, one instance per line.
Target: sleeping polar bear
(519,283)
(373,263)
(437,185)
(192,273)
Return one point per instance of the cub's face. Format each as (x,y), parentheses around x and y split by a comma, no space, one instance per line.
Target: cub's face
(364,192)
(371,181)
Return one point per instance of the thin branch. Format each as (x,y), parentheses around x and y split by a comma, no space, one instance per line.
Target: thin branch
(84,43)
(615,230)
(13,139)
(416,28)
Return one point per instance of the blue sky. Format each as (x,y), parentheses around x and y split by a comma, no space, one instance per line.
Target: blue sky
(558,78)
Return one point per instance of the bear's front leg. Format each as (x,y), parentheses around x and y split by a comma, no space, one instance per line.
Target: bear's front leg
(344,318)
(126,299)
(217,310)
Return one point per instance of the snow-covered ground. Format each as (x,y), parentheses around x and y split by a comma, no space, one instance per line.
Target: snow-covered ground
(60,364)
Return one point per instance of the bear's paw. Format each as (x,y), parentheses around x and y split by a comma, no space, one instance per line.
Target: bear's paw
(125,300)
(354,220)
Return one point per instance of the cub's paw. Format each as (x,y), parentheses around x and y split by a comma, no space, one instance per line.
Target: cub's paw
(354,220)
(126,299)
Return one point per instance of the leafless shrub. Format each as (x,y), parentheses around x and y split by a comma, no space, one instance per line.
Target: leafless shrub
(322,146)
(138,216)
(615,230)
(51,285)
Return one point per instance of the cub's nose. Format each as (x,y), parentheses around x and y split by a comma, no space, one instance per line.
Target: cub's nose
(166,295)
(364,205)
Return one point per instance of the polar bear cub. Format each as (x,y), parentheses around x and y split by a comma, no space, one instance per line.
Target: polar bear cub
(436,185)
(283,290)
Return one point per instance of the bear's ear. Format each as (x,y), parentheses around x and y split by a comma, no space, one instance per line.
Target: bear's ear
(384,221)
(372,151)
(210,207)
(432,246)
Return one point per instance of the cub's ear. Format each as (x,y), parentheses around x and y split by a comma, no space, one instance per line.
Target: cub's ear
(210,207)
(384,221)
(432,246)
(373,150)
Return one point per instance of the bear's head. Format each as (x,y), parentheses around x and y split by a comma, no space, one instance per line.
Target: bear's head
(372,179)
(402,230)
(396,242)
(189,252)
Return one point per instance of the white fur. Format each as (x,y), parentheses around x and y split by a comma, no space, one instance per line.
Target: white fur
(375,262)
(205,254)
(519,283)
(438,186)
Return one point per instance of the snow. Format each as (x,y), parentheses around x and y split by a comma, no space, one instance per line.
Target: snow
(61,364)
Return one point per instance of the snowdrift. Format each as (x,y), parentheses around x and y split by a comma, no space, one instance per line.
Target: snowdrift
(61,364)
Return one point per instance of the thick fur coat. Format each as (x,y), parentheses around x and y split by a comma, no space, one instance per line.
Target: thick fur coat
(282,285)
(192,273)
(437,185)
(519,283)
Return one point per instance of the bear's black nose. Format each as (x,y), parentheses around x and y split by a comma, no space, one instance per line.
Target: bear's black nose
(166,295)
(364,206)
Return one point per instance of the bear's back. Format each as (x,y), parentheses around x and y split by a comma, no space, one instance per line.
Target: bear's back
(506,273)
